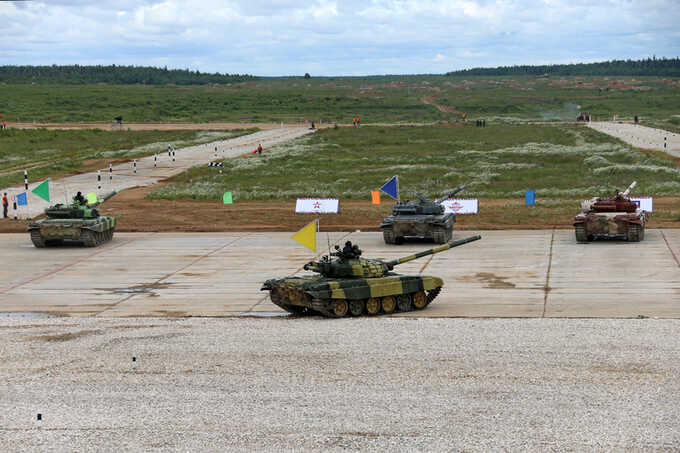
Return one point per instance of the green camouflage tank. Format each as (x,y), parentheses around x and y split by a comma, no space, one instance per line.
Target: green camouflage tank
(348,284)
(422,218)
(77,222)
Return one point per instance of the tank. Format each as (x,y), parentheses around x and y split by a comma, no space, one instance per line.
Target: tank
(77,222)
(616,217)
(422,218)
(346,284)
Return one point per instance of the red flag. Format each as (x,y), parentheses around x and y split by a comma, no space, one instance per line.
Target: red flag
(255,152)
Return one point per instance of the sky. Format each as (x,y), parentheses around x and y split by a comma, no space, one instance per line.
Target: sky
(335,38)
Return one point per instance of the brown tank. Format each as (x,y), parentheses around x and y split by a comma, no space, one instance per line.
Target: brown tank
(617,217)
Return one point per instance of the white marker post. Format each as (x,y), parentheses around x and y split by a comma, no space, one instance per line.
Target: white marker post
(173,155)
(155,159)
(99,180)
(110,172)
(134,166)
(25,179)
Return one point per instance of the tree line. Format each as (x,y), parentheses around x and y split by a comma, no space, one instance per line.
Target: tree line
(663,67)
(113,74)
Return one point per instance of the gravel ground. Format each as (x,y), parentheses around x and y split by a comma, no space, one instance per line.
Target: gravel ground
(369,384)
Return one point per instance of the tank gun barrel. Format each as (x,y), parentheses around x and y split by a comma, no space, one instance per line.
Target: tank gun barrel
(455,191)
(441,248)
(627,191)
(104,198)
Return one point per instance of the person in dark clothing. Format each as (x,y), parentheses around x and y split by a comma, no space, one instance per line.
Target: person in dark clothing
(351,251)
(80,199)
(259,149)
(5,205)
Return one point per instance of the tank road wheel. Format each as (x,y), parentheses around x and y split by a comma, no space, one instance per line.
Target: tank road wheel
(388,236)
(389,304)
(419,300)
(580,231)
(356,307)
(373,305)
(340,307)
(37,240)
(633,232)
(404,302)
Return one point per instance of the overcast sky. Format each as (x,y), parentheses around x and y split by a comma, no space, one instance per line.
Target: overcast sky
(344,37)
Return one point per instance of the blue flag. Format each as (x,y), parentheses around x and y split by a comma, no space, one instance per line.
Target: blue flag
(21,199)
(529,197)
(391,188)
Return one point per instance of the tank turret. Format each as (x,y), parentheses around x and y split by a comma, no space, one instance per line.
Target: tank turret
(78,209)
(423,218)
(348,263)
(346,283)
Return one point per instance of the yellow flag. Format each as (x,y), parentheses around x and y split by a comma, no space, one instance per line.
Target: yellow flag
(307,236)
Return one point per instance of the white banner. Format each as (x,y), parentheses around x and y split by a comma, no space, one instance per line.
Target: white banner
(461,205)
(317,205)
(645,203)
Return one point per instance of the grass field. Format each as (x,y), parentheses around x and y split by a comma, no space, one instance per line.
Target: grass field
(392,99)
(499,161)
(57,152)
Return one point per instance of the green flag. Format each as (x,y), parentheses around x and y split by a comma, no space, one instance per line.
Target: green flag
(91,198)
(43,190)
(226,198)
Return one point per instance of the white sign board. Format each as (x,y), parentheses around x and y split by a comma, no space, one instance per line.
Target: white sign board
(317,205)
(461,205)
(645,203)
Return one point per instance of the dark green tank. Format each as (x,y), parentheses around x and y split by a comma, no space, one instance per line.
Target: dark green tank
(77,222)
(347,284)
(422,218)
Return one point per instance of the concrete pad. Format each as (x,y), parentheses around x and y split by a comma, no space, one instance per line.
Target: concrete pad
(613,278)
(220,274)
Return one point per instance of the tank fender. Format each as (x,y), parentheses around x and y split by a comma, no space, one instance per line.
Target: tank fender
(579,219)
(378,287)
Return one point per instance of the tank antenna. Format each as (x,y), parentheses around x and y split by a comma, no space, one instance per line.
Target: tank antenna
(328,239)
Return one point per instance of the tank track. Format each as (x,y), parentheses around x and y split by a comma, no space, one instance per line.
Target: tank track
(636,233)
(442,235)
(580,232)
(388,236)
(37,239)
(352,308)
(95,238)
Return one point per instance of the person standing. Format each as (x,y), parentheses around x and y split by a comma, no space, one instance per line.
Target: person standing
(259,149)
(5,205)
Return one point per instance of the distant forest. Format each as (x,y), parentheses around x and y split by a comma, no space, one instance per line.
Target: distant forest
(663,67)
(116,75)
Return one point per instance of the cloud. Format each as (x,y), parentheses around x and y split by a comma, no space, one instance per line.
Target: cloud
(278,37)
